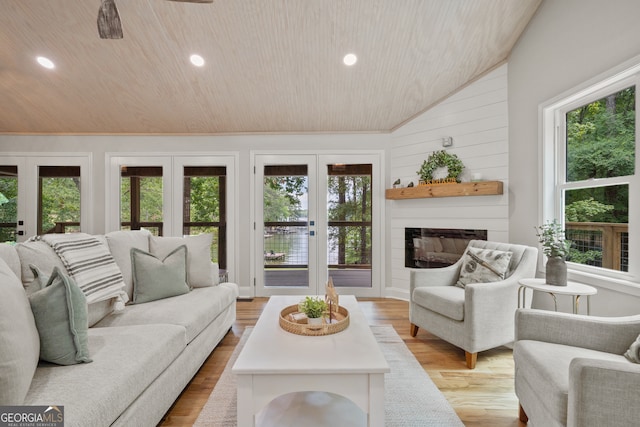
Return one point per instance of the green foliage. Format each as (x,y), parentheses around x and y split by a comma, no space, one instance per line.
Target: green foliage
(60,201)
(586,210)
(8,207)
(601,144)
(439,159)
(282,198)
(551,235)
(349,200)
(583,257)
(313,307)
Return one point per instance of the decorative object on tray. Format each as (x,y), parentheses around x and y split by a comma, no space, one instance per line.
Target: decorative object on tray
(332,299)
(437,160)
(556,248)
(291,321)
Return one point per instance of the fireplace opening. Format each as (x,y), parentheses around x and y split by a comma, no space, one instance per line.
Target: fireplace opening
(437,247)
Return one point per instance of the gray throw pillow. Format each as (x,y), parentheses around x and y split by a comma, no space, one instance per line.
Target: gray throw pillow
(60,311)
(483,265)
(155,279)
(19,342)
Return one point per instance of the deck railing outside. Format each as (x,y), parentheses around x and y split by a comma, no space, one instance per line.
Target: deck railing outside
(611,240)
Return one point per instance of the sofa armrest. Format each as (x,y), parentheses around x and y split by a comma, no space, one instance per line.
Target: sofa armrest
(603,392)
(610,334)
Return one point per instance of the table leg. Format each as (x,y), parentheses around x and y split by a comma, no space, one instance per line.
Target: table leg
(246,417)
(555,301)
(524,296)
(376,400)
(576,304)
(588,305)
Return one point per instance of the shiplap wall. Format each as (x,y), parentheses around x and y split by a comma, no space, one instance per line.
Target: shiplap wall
(477,119)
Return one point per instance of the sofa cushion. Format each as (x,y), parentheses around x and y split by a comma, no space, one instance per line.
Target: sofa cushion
(125,362)
(546,365)
(40,254)
(483,266)
(154,278)
(19,342)
(198,256)
(445,300)
(120,244)
(60,311)
(9,254)
(194,310)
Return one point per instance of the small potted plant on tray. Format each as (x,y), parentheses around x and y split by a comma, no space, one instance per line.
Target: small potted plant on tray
(315,308)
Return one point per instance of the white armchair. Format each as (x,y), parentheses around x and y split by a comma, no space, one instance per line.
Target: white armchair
(479,316)
(570,369)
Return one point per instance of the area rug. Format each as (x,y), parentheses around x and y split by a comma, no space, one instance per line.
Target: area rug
(411,397)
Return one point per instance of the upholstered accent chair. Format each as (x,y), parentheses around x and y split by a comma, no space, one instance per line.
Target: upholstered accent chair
(479,316)
(570,370)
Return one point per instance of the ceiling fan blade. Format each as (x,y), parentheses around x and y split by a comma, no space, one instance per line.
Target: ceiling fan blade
(193,1)
(109,25)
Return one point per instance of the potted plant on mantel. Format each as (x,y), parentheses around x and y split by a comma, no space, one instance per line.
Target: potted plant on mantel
(315,308)
(556,248)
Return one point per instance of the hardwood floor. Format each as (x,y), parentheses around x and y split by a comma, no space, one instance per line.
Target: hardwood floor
(481,397)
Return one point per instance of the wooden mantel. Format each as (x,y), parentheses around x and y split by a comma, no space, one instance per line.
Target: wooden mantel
(480,188)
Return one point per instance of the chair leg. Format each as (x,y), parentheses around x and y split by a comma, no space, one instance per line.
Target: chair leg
(522,415)
(414,330)
(472,358)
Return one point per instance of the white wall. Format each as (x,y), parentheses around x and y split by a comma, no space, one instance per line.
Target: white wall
(567,43)
(99,145)
(477,119)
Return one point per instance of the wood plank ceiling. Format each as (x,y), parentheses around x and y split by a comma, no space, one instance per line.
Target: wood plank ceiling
(272,66)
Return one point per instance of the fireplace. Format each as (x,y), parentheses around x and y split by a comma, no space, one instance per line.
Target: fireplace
(437,247)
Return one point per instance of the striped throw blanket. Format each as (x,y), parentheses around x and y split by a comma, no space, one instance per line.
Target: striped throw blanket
(91,265)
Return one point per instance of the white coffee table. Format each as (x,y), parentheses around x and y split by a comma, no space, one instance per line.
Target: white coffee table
(275,362)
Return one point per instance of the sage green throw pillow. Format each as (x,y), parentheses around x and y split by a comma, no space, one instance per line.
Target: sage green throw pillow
(154,279)
(60,311)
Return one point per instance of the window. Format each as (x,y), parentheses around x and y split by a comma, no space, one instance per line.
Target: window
(141,198)
(590,175)
(8,203)
(58,199)
(204,207)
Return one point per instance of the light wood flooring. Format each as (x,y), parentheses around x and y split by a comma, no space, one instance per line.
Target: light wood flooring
(481,397)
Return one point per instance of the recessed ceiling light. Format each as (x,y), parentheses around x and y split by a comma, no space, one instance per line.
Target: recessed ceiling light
(45,62)
(349,59)
(197,60)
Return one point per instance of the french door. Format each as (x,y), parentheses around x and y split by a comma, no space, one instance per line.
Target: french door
(44,194)
(316,219)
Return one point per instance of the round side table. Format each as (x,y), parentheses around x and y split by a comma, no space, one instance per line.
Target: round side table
(574,289)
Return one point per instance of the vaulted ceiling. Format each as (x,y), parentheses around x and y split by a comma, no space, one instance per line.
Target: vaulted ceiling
(272,66)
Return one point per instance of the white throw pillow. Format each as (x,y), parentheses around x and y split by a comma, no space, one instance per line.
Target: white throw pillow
(120,245)
(199,272)
(19,339)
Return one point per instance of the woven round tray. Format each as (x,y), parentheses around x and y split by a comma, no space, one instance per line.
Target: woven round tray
(342,317)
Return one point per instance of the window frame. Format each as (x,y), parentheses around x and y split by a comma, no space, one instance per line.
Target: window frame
(553,177)
(172,188)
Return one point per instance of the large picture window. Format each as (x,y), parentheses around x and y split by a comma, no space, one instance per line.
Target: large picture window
(591,151)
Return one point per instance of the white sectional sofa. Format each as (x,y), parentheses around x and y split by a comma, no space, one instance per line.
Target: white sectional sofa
(142,357)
